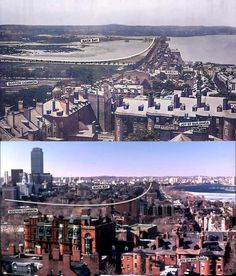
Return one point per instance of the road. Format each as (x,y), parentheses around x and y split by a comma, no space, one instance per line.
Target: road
(83,205)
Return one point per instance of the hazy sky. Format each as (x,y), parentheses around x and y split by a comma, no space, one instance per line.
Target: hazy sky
(130,12)
(124,159)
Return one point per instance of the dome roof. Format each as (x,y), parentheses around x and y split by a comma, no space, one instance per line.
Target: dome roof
(57,92)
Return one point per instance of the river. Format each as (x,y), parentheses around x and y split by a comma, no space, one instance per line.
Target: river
(210,48)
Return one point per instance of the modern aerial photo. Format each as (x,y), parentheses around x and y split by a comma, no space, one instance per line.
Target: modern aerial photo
(143,209)
(116,70)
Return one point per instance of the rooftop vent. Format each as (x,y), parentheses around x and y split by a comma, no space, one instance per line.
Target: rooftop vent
(219,108)
(59,113)
(126,106)
(207,107)
(141,107)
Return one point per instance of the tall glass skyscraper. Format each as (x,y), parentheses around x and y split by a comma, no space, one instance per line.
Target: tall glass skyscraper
(37,160)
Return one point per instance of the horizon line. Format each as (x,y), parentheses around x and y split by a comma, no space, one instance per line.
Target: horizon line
(116,24)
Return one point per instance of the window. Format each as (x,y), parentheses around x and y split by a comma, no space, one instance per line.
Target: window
(48,231)
(88,242)
(70,233)
(141,108)
(40,231)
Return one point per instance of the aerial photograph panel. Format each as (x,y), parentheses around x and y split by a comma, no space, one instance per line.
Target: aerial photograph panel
(114,71)
(162,209)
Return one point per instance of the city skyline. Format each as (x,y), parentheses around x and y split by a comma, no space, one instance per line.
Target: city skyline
(124,159)
(98,12)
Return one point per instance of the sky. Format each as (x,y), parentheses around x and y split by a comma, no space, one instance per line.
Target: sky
(128,12)
(124,158)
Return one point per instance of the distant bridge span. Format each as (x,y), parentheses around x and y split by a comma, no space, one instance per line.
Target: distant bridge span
(83,205)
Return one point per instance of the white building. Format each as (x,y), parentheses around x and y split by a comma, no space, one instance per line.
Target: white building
(6,177)
(25,187)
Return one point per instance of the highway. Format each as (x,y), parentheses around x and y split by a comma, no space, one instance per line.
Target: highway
(83,205)
(10,58)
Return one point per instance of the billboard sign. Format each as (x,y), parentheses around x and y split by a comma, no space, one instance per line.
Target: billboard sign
(23,211)
(101,187)
(197,259)
(195,124)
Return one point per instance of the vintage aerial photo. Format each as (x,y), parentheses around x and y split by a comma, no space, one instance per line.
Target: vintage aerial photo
(116,70)
(155,209)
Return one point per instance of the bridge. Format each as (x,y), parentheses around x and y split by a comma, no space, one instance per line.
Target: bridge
(94,205)
(127,60)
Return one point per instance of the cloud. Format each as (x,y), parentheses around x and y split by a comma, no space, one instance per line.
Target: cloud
(130,12)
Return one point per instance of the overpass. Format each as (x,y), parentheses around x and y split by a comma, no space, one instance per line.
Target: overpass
(94,205)
(126,60)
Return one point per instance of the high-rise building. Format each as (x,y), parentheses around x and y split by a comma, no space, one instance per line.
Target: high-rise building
(37,161)
(6,178)
(16,175)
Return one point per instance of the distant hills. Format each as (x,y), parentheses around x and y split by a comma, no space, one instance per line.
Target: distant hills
(7,31)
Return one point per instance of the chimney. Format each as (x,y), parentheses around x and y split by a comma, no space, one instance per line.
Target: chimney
(176,101)
(178,240)
(158,241)
(39,108)
(13,119)
(150,100)
(93,127)
(28,113)
(76,95)
(29,117)
(201,240)
(120,101)
(199,100)
(53,105)
(20,106)
(225,104)
(67,107)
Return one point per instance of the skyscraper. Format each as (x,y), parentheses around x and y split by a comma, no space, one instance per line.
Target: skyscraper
(6,178)
(16,175)
(37,161)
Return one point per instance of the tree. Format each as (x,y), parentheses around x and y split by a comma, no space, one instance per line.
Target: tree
(142,135)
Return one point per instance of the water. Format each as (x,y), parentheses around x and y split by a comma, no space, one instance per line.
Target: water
(225,197)
(93,52)
(210,48)
(210,191)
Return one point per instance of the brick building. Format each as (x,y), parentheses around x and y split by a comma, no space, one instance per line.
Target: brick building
(84,238)
(202,254)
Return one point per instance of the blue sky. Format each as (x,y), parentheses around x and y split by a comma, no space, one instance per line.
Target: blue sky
(124,159)
(130,12)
